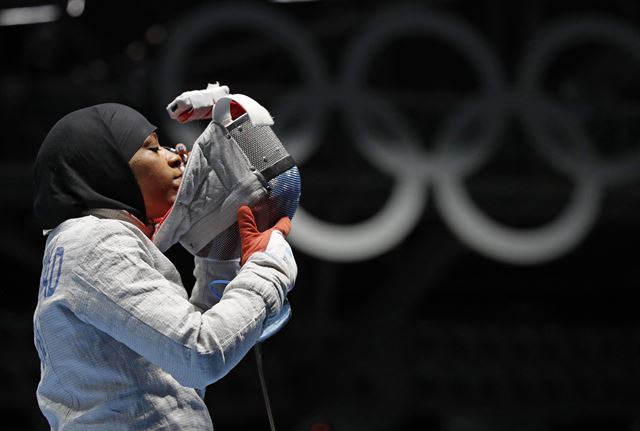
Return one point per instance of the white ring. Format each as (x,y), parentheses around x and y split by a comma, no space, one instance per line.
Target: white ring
(624,167)
(522,246)
(373,236)
(367,239)
(212,18)
(409,21)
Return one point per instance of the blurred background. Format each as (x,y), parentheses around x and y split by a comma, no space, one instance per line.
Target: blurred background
(468,232)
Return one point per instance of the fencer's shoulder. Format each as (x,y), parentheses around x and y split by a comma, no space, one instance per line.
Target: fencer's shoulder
(95,232)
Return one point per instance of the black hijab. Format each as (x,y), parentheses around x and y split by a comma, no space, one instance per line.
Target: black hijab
(83,164)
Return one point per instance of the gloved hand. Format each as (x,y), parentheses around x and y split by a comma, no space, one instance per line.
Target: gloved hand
(269,241)
(196,104)
(268,256)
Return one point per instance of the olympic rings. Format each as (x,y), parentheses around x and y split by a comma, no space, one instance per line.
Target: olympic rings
(588,28)
(211,19)
(400,155)
(405,21)
(373,236)
(519,245)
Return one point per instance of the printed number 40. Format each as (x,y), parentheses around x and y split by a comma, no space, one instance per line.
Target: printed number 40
(51,272)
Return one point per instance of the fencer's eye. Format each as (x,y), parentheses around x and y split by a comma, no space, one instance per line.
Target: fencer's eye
(154,149)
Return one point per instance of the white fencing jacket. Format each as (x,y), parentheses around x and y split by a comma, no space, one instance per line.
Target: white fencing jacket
(120,343)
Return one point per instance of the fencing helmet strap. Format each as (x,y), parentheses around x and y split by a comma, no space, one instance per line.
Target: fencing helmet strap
(233,163)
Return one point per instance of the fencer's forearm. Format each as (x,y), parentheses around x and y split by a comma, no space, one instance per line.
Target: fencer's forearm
(268,277)
(229,330)
(261,265)
(195,348)
(233,325)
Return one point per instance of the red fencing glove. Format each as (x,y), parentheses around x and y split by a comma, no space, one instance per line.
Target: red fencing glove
(267,261)
(252,240)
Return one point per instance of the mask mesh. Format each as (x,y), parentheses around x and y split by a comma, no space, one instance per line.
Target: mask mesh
(265,152)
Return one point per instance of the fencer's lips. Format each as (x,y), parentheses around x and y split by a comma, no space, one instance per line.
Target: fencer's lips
(177,181)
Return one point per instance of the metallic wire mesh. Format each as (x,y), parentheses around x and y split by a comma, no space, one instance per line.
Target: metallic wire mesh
(260,144)
(263,149)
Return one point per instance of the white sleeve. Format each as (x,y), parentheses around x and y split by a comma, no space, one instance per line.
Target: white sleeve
(116,288)
(212,277)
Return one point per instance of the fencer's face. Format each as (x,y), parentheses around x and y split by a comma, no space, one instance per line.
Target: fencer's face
(158,173)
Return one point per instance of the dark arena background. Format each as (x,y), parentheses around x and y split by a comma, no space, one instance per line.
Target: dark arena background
(469,226)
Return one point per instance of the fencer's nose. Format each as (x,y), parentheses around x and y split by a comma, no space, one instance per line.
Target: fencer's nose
(173,158)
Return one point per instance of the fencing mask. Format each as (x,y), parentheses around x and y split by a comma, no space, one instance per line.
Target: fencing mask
(234,162)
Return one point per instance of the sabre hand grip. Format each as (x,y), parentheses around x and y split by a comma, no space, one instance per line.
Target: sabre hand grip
(196,104)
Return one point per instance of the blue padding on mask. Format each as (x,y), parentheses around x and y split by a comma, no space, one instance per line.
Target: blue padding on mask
(284,193)
(281,200)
